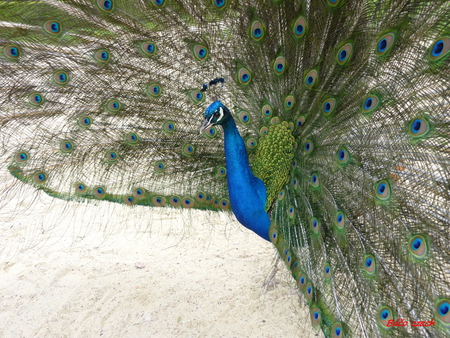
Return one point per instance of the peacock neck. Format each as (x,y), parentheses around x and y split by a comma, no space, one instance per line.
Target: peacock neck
(247,192)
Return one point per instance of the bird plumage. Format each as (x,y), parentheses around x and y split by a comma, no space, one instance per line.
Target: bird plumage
(343,108)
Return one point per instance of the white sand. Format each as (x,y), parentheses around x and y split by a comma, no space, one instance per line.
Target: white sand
(194,280)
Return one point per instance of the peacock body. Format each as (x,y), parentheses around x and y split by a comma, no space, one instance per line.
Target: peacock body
(326,131)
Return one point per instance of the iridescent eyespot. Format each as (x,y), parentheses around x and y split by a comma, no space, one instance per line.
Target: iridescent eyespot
(154,89)
(39,177)
(224,204)
(21,157)
(66,146)
(169,127)
(148,48)
(418,246)
(52,27)
(281,195)
(197,96)
(419,127)
(440,48)
(102,56)
(106,5)
(60,77)
(80,188)
(244,76)
(221,171)
(385,314)
(200,197)
(264,131)
(175,201)
(273,233)
(309,146)
(275,120)
(344,54)
(158,3)
(383,190)
(139,193)
(333,3)
(316,317)
(369,264)
(327,270)
(315,225)
(289,102)
(279,65)
(211,132)
(36,99)
(329,106)
(266,110)
(311,78)
(99,192)
(200,52)
(299,27)
(188,149)
(337,331)
(244,117)
(159,201)
(84,121)
(251,143)
(113,106)
(12,52)
(370,104)
(343,156)
(291,212)
(219,4)
(442,310)
(160,167)
(129,200)
(132,138)
(187,202)
(309,292)
(385,43)
(300,121)
(257,30)
(339,220)
(111,156)
(315,182)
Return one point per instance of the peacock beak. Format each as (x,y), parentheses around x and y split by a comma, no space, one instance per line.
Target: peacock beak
(206,124)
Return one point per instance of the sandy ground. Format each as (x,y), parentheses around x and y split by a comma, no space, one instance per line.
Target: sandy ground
(179,277)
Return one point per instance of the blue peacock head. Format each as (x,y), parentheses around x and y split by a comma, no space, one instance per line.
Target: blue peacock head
(215,114)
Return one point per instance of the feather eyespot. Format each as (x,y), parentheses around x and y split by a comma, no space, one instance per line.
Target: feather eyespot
(329,106)
(139,193)
(211,132)
(159,167)
(279,65)
(99,192)
(154,90)
(39,177)
(169,127)
(106,5)
(309,146)
(224,204)
(344,54)
(257,30)
(175,201)
(188,149)
(200,197)
(80,188)
(264,131)
(315,225)
(244,76)
(66,146)
(315,182)
(266,110)
(281,195)
(132,138)
(339,220)
(300,121)
(385,314)
(311,78)
(442,310)
(337,331)
(343,156)
(187,202)
(244,117)
(113,106)
(369,264)
(21,157)
(52,27)
(159,201)
(102,56)
(84,121)
(60,77)
(200,52)
(197,96)
(36,99)
(299,28)
(418,246)
(220,4)
(12,52)
(385,43)
(111,156)
(419,127)
(383,190)
(370,104)
(273,233)
(309,292)
(316,317)
(251,143)
(275,120)
(440,49)
(148,48)
(289,102)
(129,200)
(158,3)
(327,271)
(291,212)
(221,171)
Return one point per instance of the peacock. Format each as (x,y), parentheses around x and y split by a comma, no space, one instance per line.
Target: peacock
(322,125)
